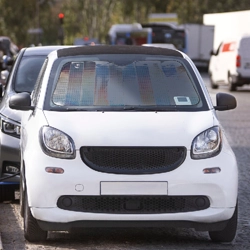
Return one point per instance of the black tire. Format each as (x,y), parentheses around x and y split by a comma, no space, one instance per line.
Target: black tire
(231,84)
(213,85)
(7,192)
(32,231)
(229,232)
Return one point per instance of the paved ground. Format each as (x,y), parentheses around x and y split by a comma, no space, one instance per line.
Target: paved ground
(237,126)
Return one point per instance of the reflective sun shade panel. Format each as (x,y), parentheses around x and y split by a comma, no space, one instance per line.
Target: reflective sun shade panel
(138,83)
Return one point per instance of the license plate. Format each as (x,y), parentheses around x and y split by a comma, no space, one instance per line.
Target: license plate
(134,188)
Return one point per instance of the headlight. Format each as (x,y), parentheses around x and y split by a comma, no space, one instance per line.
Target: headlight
(207,144)
(57,144)
(11,128)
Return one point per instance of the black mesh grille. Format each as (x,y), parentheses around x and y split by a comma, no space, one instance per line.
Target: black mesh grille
(133,204)
(133,160)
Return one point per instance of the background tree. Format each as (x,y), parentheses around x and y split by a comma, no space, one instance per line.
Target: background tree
(93,18)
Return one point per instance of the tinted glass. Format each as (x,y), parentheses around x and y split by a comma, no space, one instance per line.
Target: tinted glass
(27,73)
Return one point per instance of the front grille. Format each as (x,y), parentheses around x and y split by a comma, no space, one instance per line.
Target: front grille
(133,204)
(133,160)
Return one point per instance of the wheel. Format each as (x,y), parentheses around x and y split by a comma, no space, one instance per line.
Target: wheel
(7,192)
(32,231)
(229,232)
(213,85)
(232,85)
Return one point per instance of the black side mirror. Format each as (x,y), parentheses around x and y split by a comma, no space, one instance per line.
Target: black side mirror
(225,101)
(21,101)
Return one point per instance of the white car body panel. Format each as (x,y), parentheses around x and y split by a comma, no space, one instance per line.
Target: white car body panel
(130,128)
(188,179)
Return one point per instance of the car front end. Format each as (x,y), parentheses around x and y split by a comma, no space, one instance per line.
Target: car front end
(116,173)
(125,136)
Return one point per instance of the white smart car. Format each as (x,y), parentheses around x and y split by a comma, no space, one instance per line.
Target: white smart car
(128,136)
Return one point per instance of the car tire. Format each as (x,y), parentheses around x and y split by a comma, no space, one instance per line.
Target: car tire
(7,192)
(231,84)
(32,231)
(213,85)
(229,232)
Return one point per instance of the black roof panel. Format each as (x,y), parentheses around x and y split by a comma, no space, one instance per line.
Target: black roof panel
(42,50)
(116,49)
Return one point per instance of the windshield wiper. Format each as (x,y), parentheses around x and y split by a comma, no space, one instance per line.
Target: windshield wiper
(150,108)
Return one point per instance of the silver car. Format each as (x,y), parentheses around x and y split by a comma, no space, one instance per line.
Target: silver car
(22,78)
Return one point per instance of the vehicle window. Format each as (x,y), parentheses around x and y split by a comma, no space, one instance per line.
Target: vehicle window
(137,83)
(27,73)
(38,84)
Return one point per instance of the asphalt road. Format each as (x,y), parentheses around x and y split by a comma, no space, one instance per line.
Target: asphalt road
(237,126)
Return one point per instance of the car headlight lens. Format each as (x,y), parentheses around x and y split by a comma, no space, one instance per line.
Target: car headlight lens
(207,144)
(57,144)
(11,128)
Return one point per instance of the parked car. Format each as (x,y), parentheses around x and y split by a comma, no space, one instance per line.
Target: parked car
(22,78)
(230,64)
(124,136)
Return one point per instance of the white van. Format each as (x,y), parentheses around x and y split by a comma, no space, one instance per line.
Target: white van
(230,64)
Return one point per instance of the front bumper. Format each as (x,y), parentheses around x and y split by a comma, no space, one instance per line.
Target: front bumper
(45,189)
(9,158)
(207,220)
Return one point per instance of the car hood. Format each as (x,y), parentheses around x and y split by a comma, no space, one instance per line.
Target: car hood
(131,128)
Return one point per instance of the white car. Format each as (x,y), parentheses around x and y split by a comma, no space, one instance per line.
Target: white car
(128,136)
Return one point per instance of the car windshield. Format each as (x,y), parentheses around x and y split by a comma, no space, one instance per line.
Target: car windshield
(27,73)
(124,83)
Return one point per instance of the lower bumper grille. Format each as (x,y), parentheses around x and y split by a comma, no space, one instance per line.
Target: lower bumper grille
(133,204)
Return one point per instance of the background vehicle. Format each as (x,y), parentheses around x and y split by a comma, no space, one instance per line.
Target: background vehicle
(129,34)
(196,40)
(168,33)
(199,42)
(117,164)
(228,25)
(22,78)
(230,64)
(8,52)
(160,45)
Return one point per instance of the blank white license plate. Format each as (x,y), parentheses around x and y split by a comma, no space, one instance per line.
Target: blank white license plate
(134,188)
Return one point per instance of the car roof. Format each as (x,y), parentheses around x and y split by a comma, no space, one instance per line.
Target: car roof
(42,50)
(117,49)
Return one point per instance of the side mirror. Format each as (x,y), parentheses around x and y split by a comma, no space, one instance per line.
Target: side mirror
(225,101)
(21,101)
